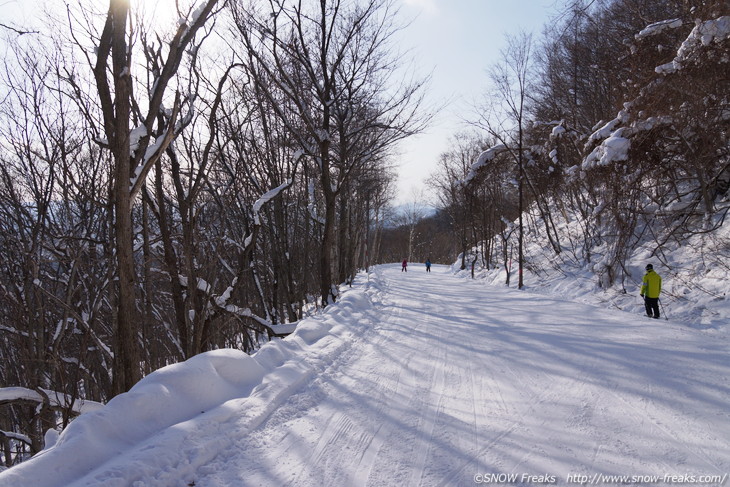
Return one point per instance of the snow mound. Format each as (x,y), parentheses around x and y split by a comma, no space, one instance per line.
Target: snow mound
(152,427)
(164,398)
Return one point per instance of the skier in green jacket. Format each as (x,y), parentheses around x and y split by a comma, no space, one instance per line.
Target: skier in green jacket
(650,289)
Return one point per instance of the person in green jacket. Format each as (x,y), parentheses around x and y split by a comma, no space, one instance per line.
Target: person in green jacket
(651,287)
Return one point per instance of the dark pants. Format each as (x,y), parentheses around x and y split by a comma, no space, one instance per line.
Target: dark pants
(652,307)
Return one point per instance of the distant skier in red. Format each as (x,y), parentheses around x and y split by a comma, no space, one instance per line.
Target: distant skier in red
(405,266)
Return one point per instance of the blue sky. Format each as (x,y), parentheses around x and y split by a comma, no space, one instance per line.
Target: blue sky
(454,40)
(457,40)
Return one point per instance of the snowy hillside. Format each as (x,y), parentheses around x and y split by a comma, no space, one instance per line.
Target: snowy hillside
(695,287)
(421,379)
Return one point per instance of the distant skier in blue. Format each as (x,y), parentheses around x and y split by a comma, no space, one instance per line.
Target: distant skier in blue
(428,265)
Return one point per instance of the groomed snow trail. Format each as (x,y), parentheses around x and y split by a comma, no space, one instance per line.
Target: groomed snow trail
(421,379)
(454,381)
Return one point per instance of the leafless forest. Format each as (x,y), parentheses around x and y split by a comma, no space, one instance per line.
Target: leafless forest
(165,192)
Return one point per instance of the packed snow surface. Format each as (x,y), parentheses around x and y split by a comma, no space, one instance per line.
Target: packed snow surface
(421,379)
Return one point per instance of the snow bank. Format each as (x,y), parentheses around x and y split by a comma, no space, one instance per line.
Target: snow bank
(166,397)
(167,406)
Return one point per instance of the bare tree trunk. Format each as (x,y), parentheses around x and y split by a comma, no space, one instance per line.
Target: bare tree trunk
(116,120)
(328,241)
(171,265)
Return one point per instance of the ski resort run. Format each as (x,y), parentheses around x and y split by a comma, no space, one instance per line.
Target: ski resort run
(421,379)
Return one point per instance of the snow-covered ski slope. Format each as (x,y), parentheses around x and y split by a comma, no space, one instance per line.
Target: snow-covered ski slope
(416,379)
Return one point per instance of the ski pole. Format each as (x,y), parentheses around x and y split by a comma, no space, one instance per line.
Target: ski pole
(663,311)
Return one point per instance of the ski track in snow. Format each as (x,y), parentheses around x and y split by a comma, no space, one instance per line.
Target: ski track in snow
(438,379)
(455,379)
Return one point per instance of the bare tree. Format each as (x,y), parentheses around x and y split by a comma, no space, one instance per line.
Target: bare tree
(330,62)
(134,153)
(53,274)
(409,216)
(504,116)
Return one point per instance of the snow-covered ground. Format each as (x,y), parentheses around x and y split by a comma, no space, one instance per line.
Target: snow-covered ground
(695,284)
(421,379)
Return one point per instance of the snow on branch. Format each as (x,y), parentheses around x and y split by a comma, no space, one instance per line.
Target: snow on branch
(188,25)
(15,331)
(202,284)
(658,28)
(557,131)
(273,330)
(222,301)
(484,158)
(57,400)
(16,436)
(614,143)
(246,313)
(154,151)
(266,197)
(604,132)
(135,136)
(703,34)
(614,148)
(205,287)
